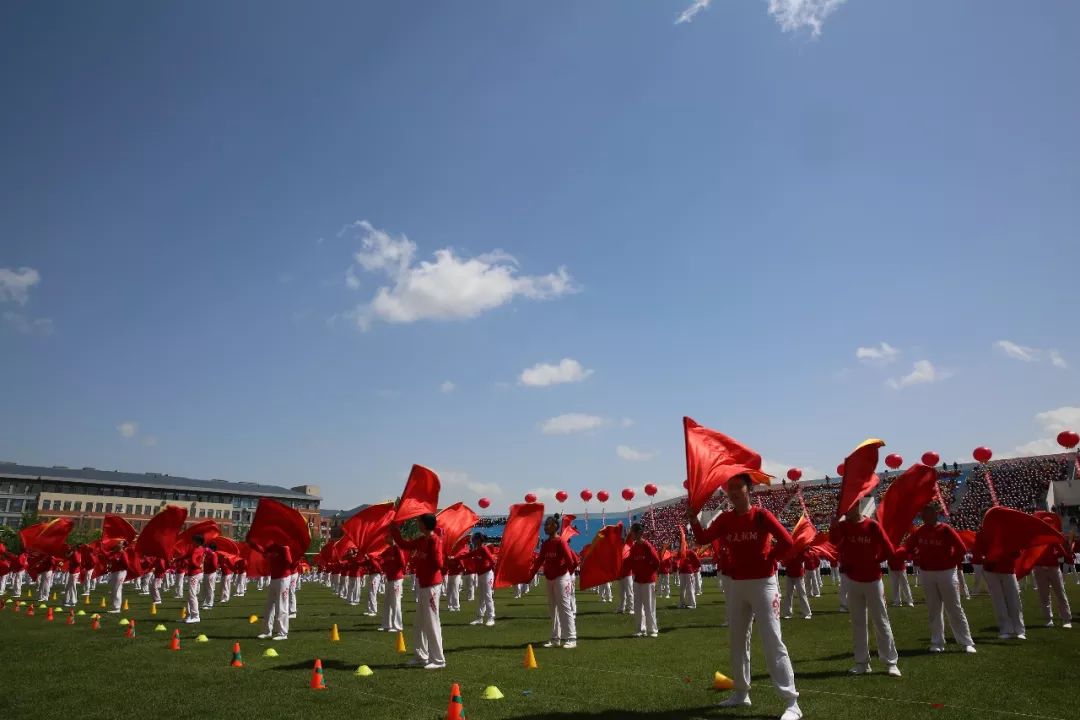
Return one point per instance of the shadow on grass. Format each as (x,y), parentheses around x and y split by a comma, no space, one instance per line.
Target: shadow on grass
(332,664)
(706,711)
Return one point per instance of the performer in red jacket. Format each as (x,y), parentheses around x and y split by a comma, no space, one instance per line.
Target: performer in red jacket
(427,559)
(194,562)
(752,591)
(391,563)
(644,563)
(689,564)
(483,561)
(558,562)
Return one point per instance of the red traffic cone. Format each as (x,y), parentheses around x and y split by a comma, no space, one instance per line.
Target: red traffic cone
(317,680)
(29,609)
(96,624)
(130,633)
(237,660)
(174,644)
(456,710)
(49,615)
(16,608)
(71,618)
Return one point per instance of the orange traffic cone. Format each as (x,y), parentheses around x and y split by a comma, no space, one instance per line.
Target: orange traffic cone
(174,644)
(317,681)
(71,618)
(29,610)
(130,630)
(95,624)
(237,660)
(16,608)
(456,710)
(530,659)
(49,615)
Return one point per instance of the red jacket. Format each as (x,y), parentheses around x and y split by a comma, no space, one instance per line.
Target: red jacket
(644,561)
(936,547)
(862,546)
(556,557)
(427,556)
(747,538)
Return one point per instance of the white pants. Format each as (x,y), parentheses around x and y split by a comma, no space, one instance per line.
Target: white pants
(867,599)
(453,593)
(155,589)
(226,587)
(45,581)
(943,599)
(294,585)
(211,588)
(181,586)
(1050,583)
(470,586)
(815,583)
(604,591)
(391,619)
(241,585)
(665,585)
(979,583)
(194,584)
(116,587)
(1005,597)
(373,595)
(725,581)
(796,586)
(842,593)
(687,598)
(758,600)
(352,590)
(626,595)
(485,607)
(901,590)
(71,593)
(428,632)
(562,608)
(961,583)
(277,607)
(645,607)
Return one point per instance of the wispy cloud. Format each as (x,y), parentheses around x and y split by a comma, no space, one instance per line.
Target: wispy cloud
(883,353)
(571,423)
(456,478)
(1051,423)
(795,15)
(628,453)
(15,284)
(128,429)
(922,373)
(691,12)
(447,387)
(21,323)
(450,287)
(1030,354)
(543,374)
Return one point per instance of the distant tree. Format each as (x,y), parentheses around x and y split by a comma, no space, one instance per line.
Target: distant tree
(30,517)
(9,536)
(317,543)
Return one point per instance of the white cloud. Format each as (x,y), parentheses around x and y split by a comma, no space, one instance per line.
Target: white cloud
(128,429)
(15,284)
(923,372)
(447,387)
(793,15)
(779,470)
(28,325)
(448,288)
(1051,422)
(688,14)
(628,453)
(544,374)
(883,353)
(1030,354)
(626,422)
(571,423)
(149,441)
(455,478)
(351,280)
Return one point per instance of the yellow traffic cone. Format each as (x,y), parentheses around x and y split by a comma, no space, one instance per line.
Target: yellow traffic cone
(334,636)
(103,602)
(54,596)
(253,619)
(491,693)
(364,671)
(153,608)
(183,613)
(86,599)
(270,652)
(401,642)
(530,659)
(722,682)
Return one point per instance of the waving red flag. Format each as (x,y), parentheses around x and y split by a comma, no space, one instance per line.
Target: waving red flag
(421,494)
(185,540)
(368,528)
(905,499)
(159,536)
(47,538)
(859,477)
(227,546)
(1030,556)
(802,536)
(1006,532)
(712,459)
(518,542)
(568,530)
(456,521)
(603,562)
(968,536)
(257,566)
(276,522)
(114,529)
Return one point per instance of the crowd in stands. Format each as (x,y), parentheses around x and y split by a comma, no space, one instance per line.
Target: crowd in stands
(1020,483)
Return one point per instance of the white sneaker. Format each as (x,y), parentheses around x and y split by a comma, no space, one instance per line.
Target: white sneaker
(792,712)
(860,669)
(1049,623)
(936,649)
(969,649)
(786,617)
(263,636)
(292,616)
(1021,636)
(490,623)
(892,671)
(192,620)
(652,635)
(638,634)
(280,637)
(477,622)
(569,644)
(551,643)
(435,666)
(736,700)
(806,617)
(1067,625)
(911,604)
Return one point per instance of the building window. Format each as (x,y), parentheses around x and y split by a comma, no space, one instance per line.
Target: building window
(236,516)
(99,507)
(16,506)
(130,509)
(97,523)
(46,505)
(78,506)
(108,507)
(138,509)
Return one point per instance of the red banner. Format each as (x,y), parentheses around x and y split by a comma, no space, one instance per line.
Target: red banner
(159,536)
(421,494)
(276,522)
(603,562)
(518,542)
(712,459)
(369,527)
(859,477)
(905,499)
(455,522)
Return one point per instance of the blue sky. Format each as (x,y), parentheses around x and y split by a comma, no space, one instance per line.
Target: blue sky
(245,242)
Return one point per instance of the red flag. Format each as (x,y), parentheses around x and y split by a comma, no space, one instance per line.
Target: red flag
(184,541)
(47,538)
(682,541)
(159,535)
(518,541)
(968,536)
(568,530)
(905,499)
(227,545)
(1006,532)
(276,522)
(368,528)
(257,566)
(114,529)
(712,459)
(421,494)
(456,521)
(802,536)
(603,563)
(859,477)
(1030,556)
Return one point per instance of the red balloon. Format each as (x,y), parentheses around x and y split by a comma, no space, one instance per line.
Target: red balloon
(530,498)
(602,496)
(982,454)
(930,458)
(651,490)
(1068,439)
(483,502)
(840,469)
(794,474)
(627,494)
(561,496)
(586,495)
(894,461)
(686,484)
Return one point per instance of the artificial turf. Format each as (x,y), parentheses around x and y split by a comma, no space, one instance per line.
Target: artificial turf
(51,670)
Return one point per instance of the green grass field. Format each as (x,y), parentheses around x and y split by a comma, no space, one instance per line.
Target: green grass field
(51,670)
